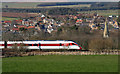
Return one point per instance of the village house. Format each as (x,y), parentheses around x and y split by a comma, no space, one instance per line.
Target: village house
(89,20)
(114,24)
(75,17)
(15,30)
(50,28)
(93,26)
(79,21)
(111,16)
(19,21)
(7,22)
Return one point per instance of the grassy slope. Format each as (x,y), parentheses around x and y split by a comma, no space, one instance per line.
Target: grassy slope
(61,63)
(9,19)
(103,12)
(34,4)
(69,6)
(20,4)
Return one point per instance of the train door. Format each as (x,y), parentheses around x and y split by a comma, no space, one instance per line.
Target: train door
(39,46)
(60,46)
(68,46)
(5,44)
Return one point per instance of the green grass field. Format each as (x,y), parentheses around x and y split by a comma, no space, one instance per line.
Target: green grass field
(61,63)
(34,4)
(9,19)
(102,12)
(20,4)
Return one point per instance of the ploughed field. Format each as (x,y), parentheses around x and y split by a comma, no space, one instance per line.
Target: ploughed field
(61,63)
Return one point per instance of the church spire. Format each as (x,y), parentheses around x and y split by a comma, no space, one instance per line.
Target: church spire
(106,32)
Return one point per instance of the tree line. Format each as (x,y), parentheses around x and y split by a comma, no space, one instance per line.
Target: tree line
(64,11)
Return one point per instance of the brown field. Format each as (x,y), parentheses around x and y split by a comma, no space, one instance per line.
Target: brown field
(18,15)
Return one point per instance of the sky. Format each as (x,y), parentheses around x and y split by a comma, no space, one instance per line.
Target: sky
(59,0)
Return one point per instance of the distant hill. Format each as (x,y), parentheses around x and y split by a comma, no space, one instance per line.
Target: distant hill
(60,8)
(42,4)
(93,4)
(20,4)
(63,4)
(53,4)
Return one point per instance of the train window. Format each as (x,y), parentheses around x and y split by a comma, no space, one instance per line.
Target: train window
(26,44)
(69,44)
(73,44)
(29,44)
(60,44)
(39,44)
(35,44)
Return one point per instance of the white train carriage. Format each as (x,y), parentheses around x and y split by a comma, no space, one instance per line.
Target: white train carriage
(45,44)
(1,44)
(11,44)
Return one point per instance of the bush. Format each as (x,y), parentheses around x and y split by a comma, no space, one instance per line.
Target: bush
(22,47)
(102,44)
(15,50)
(96,44)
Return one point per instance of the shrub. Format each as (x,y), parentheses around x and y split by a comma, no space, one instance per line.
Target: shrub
(101,44)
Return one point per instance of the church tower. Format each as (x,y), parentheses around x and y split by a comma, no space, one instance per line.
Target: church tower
(106,32)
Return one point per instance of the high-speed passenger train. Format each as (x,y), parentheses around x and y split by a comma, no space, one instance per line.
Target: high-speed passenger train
(42,44)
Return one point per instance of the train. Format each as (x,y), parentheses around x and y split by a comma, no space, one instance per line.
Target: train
(42,44)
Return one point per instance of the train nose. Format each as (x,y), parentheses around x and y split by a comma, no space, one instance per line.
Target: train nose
(80,48)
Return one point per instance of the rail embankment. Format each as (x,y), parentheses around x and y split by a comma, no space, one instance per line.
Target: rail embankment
(75,53)
(32,53)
